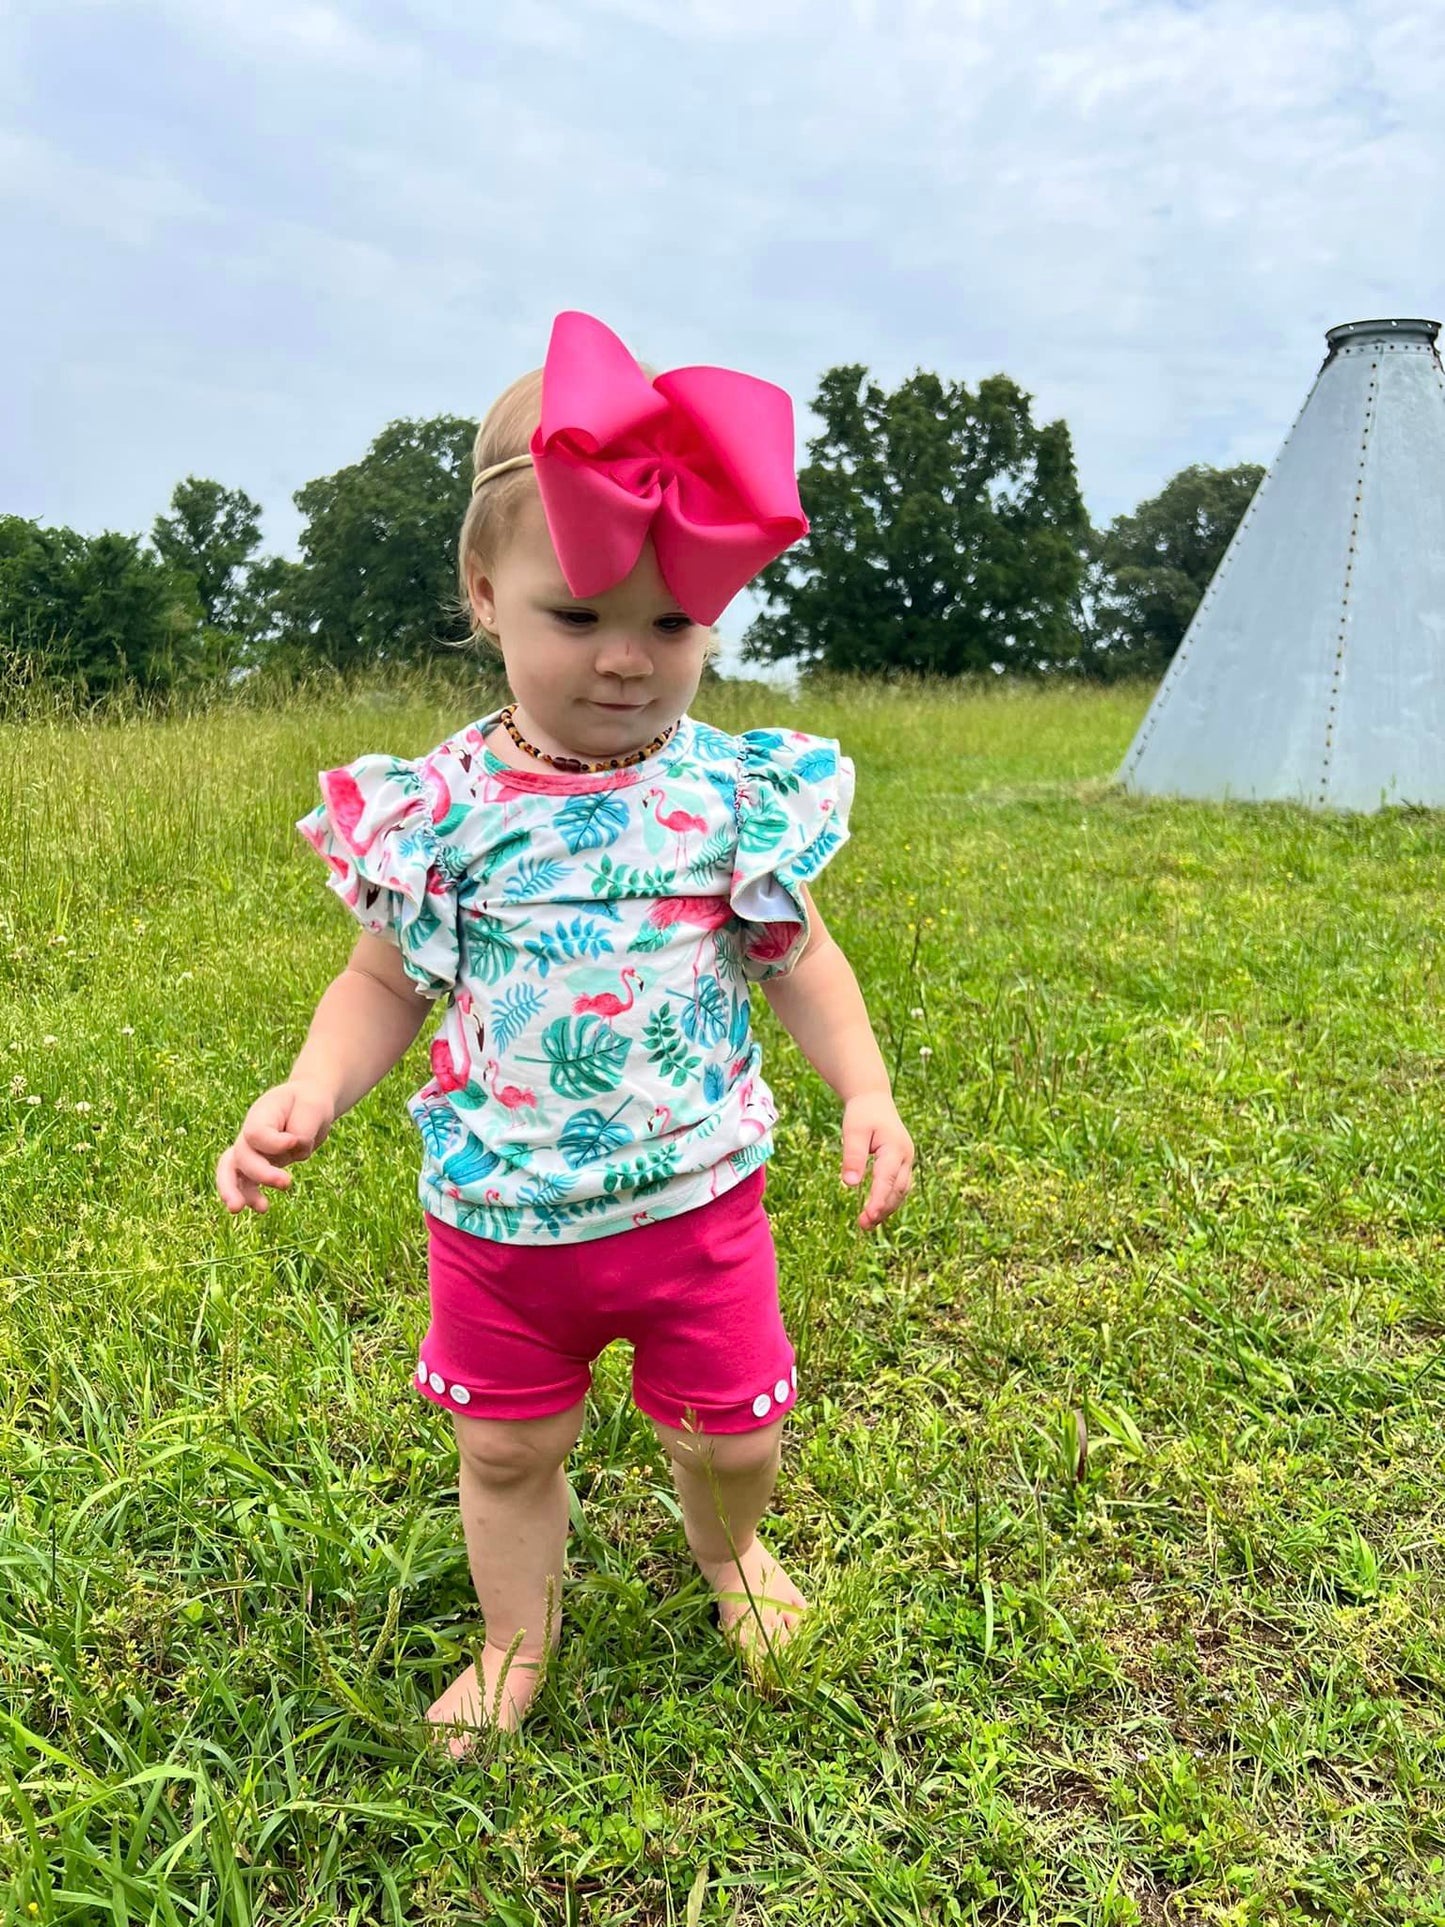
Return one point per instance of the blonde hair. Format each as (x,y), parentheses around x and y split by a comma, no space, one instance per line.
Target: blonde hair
(507,429)
(494,509)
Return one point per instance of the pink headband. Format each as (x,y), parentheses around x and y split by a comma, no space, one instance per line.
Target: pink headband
(701,459)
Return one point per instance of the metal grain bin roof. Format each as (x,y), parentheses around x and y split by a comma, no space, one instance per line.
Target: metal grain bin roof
(1314,668)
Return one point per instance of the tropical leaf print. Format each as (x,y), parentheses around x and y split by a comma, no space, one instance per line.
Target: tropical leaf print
(470,1164)
(666,1048)
(816,764)
(539,876)
(716,852)
(544,1192)
(725,782)
(507,845)
(705,1014)
(649,1171)
(555,1218)
(454,819)
(749,1156)
(738,1029)
(652,936)
(452,861)
(420,843)
(611,879)
(585,1056)
(418,930)
(566,885)
(440,1128)
(807,863)
(591,822)
(709,741)
(591,1136)
(512,1012)
(498,1221)
(761,828)
(409,777)
(568,943)
(491,950)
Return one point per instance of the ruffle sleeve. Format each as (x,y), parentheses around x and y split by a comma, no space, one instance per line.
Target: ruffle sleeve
(794,793)
(381,828)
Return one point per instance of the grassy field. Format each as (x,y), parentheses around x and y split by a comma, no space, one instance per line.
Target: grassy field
(1117,1475)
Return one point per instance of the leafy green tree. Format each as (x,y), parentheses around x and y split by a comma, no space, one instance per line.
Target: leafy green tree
(97,611)
(211,535)
(1149,570)
(271,613)
(379,547)
(947,534)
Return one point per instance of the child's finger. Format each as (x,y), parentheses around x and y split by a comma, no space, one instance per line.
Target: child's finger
(225,1184)
(857,1142)
(237,1192)
(899,1192)
(886,1167)
(252,1168)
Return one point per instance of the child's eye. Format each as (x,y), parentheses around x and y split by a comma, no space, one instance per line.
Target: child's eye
(575,618)
(674,625)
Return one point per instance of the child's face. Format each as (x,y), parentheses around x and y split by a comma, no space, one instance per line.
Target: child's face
(600,677)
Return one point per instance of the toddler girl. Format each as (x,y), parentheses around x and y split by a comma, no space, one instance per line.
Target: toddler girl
(592,879)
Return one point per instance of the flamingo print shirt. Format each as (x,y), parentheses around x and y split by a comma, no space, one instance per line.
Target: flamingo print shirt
(595,937)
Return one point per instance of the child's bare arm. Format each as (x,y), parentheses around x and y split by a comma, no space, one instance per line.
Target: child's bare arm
(366,1021)
(821,1007)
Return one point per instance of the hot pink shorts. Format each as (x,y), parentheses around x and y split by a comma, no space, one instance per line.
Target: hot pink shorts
(515,1328)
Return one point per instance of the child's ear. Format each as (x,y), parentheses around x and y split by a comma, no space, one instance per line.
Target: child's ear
(482,597)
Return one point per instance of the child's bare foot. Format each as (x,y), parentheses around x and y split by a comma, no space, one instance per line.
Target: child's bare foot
(775,1600)
(461,1700)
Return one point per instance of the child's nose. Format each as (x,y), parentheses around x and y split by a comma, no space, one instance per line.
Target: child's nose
(623,656)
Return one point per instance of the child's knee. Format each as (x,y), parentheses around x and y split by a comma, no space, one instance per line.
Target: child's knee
(516,1451)
(730,1454)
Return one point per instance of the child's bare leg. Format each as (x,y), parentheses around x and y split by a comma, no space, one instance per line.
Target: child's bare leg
(514,1505)
(720,1516)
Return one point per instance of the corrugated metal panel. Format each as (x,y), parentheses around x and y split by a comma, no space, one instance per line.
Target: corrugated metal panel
(1314,669)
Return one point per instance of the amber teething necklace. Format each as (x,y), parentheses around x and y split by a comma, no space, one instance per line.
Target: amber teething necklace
(574,764)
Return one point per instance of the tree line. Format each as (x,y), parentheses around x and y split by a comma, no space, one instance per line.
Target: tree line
(948,537)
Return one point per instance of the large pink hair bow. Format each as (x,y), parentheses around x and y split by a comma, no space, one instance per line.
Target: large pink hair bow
(701,459)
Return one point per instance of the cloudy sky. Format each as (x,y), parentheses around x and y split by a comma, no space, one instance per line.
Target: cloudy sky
(242,234)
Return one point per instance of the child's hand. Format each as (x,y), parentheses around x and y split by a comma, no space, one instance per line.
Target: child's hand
(873,1128)
(284,1125)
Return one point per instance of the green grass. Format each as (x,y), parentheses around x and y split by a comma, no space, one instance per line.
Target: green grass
(1117,1475)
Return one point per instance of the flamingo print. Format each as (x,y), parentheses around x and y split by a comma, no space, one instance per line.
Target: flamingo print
(438,792)
(682,823)
(449,1073)
(607,1003)
(772,941)
(751,1125)
(465,842)
(509,1094)
(754,1123)
(708,914)
(346,806)
(704,913)
(445,1075)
